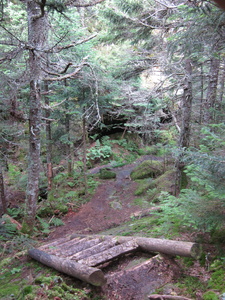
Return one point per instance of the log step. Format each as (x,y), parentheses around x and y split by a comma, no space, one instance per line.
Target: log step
(100,247)
(72,268)
(110,254)
(55,243)
(76,247)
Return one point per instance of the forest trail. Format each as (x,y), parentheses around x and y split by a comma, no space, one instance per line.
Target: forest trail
(131,277)
(112,204)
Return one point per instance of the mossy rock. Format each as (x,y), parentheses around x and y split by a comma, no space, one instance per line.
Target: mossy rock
(153,187)
(107,174)
(143,186)
(148,168)
(165,182)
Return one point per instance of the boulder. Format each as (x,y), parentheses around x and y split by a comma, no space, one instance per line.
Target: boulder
(148,168)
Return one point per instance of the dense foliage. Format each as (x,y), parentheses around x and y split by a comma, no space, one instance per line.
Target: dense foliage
(102,76)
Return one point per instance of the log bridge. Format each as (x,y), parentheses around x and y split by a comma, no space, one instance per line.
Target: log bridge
(82,256)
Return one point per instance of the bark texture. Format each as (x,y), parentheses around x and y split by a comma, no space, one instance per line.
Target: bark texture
(37,37)
(69,267)
(184,140)
(209,104)
(3,203)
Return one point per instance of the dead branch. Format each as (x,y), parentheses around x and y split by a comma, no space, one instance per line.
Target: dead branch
(82,4)
(70,75)
(49,107)
(74,44)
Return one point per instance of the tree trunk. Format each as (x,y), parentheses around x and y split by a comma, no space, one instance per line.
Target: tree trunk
(210,101)
(3,203)
(48,140)
(85,154)
(37,35)
(68,145)
(185,128)
(222,85)
(202,95)
(69,267)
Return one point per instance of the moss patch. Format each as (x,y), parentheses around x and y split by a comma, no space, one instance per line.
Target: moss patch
(148,168)
(153,187)
(106,174)
(143,186)
(210,295)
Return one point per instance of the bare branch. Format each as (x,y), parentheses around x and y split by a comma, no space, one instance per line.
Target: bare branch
(49,107)
(58,49)
(48,120)
(70,75)
(82,3)
(165,4)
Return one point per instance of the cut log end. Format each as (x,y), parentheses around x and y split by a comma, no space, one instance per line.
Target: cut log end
(196,251)
(97,278)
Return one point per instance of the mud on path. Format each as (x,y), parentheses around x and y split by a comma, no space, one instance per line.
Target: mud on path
(111,205)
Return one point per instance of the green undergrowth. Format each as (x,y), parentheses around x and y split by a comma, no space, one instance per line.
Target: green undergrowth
(143,226)
(148,168)
(211,289)
(32,281)
(67,192)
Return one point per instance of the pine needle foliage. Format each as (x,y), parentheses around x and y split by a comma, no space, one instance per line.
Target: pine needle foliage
(201,206)
(128,20)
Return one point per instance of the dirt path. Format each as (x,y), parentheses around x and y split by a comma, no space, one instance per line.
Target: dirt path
(132,277)
(111,205)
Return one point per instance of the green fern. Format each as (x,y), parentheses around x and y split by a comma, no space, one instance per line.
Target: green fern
(56,222)
(44,225)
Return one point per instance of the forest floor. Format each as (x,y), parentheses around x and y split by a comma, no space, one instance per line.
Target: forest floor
(112,204)
(111,210)
(132,277)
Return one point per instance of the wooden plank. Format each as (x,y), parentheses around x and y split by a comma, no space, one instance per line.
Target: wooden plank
(55,248)
(69,267)
(109,243)
(110,254)
(55,243)
(78,247)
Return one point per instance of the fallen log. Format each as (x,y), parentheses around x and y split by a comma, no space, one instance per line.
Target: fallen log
(91,275)
(169,247)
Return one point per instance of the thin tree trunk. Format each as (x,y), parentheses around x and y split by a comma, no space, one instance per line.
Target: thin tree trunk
(48,140)
(210,101)
(3,202)
(185,128)
(68,146)
(202,95)
(222,85)
(85,155)
(37,34)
